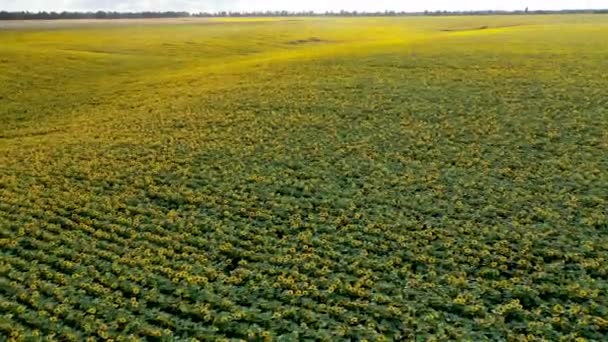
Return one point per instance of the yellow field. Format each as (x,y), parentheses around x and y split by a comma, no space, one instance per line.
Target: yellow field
(408,178)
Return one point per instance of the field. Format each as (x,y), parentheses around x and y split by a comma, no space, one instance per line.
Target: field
(417,179)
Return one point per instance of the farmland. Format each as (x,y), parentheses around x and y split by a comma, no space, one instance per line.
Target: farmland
(290,179)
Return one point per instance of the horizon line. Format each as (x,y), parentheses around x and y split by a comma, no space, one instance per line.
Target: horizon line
(304,11)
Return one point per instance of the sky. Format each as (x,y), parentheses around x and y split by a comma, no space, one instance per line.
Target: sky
(294,5)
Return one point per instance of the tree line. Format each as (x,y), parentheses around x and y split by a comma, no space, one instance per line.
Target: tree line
(89,15)
(4,15)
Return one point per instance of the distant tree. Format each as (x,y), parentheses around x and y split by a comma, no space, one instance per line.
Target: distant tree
(5,15)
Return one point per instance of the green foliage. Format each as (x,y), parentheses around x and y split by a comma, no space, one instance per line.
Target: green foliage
(444,185)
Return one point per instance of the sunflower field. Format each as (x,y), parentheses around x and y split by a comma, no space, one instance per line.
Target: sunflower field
(379,179)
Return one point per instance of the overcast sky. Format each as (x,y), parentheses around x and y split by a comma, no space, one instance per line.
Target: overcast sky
(293,5)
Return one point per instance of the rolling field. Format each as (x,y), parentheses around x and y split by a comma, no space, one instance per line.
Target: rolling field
(397,179)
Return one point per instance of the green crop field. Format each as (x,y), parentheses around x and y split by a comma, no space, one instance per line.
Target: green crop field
(397,179)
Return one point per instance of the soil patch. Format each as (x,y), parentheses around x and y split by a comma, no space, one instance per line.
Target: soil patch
(306,41)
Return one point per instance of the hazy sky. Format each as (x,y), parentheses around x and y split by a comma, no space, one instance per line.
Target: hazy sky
(293,5)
